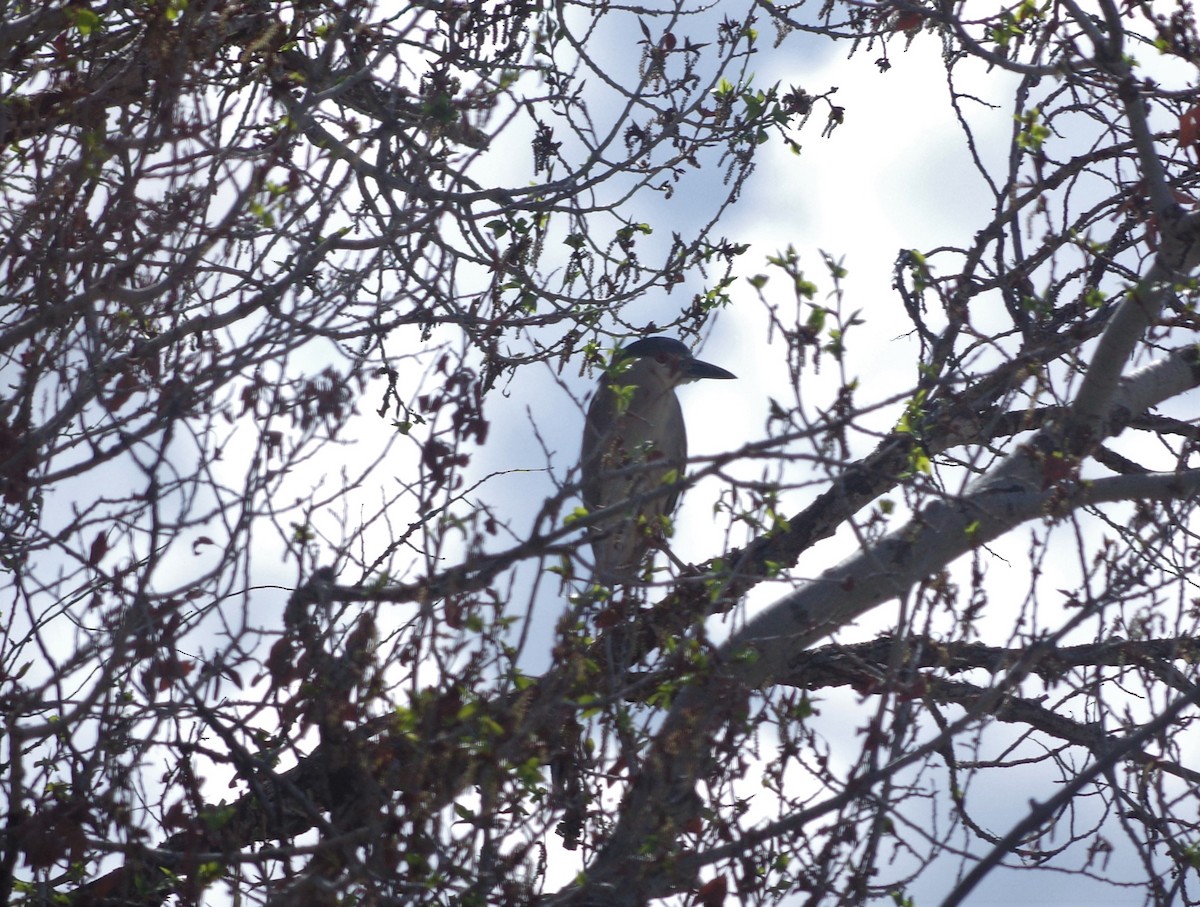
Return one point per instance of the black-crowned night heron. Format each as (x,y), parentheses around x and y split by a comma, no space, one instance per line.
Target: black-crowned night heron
(635,449)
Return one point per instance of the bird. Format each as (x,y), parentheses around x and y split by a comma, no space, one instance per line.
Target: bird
(634,444)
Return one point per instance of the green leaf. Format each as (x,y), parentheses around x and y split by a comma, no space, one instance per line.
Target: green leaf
(84,19)
(623,395)
(805,288)
(918,461)
(523,681)
(575,515)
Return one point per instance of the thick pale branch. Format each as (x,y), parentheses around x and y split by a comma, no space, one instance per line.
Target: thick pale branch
(1179,255)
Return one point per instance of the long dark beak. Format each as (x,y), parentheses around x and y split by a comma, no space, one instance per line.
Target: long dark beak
(697,370)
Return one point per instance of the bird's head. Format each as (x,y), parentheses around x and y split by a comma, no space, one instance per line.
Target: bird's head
(671,360)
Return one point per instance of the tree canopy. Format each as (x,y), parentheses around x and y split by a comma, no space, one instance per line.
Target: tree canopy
(299,300)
